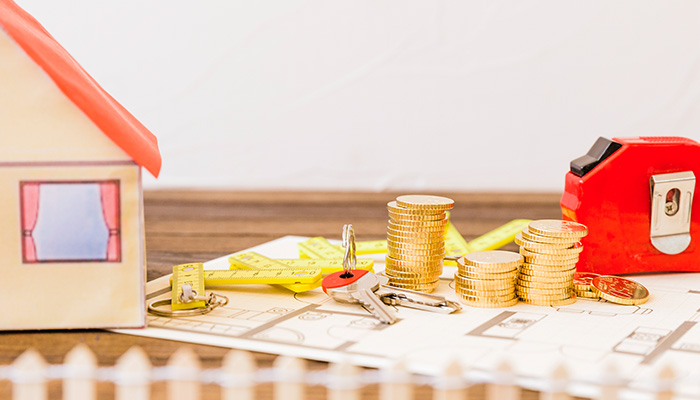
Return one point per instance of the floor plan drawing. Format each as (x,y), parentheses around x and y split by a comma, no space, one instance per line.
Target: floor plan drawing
(583,336)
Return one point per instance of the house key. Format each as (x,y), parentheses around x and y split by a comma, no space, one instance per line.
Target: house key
(358,286)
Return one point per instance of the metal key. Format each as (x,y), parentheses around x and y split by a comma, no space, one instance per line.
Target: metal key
(420,301)
(358,286)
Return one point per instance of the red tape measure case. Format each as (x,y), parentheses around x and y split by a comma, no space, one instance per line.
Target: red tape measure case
(636,197)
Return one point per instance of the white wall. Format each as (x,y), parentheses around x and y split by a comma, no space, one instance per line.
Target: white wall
(379,95)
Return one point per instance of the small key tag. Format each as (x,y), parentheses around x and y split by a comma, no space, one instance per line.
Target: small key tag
(341,278)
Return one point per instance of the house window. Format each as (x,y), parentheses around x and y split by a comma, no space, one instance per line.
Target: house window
(70,221)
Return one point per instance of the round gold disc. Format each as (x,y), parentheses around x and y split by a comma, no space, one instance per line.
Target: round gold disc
(424,202)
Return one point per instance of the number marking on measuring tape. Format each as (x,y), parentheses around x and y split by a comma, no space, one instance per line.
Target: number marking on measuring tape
(318,247)
(326,266)
(255,261)
(500,236)
(187,274)
(261,277)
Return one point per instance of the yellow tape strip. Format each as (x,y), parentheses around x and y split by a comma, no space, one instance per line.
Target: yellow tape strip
(262,277)
(318,247)
(252,260)
(500,236)
(187,274)
(326,266)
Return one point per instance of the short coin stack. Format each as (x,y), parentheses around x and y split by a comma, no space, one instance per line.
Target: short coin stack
(582,284)
(551,249)
(416,241)
(487,278)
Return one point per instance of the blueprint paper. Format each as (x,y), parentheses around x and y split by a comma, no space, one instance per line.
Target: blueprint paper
(584,336)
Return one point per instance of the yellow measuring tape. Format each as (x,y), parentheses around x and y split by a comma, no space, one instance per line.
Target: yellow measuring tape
(500,236)
(253,277)
(455,244)
(187,274)
(326,266)
(255,261)
(318,247)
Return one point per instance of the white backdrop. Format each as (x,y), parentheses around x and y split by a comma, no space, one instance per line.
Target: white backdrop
(386,95)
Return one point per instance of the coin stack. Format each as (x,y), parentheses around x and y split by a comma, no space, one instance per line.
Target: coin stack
(582,284)
(487,278)
(416,241)
(551,249)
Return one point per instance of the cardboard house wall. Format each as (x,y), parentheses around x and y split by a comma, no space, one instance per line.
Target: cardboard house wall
(72,249)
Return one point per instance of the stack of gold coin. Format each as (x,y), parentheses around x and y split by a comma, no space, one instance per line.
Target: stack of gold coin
(582,284)
(487,278)
(551,249)
(416,241)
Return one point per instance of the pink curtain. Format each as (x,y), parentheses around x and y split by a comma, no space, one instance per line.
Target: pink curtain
(109,194)
(30,214)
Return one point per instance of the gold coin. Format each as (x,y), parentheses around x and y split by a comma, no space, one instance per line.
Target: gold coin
(395,262)
(548,296)
(478,284)
(558,228)
(488,304)
(415,231)
(619,290)
(551,261)
(549,268)
(440,223)
(425,287)
(478,296)
(541,279)
(543,285)
(408,281)
(492,257)
(428,255)
(414,239)
(417,217)
(415,234)
(530,245)
(571,268)
(587,294)
(544,292)
(533,237)
(471,274)
(413,272)
(415,245)
(543,251)
(557,254)
(492,269)
(424,202)
(551,303)
(534,275)
(393,207)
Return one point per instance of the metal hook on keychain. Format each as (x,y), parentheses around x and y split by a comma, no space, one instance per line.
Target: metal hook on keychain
(350,256)
(212,301)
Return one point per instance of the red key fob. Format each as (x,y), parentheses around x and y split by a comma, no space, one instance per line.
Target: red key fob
(342,278)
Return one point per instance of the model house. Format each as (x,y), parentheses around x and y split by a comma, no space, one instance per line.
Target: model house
(71,205)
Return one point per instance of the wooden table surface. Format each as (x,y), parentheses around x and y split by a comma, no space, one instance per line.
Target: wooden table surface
(193,226)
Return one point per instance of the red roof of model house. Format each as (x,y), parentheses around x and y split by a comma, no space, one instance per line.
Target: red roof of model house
(105,112)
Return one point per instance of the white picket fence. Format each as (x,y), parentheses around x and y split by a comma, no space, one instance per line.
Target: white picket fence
(239,375)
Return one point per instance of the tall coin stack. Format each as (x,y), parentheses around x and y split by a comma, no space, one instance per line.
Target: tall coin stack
(416,241)
(487,278)
(551,249)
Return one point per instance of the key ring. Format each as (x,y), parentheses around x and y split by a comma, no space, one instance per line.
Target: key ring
(213,301)
(350,257)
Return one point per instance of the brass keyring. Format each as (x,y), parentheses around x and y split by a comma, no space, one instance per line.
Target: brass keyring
(213,301)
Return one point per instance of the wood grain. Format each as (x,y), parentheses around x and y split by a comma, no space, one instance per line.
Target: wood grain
(188,226)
